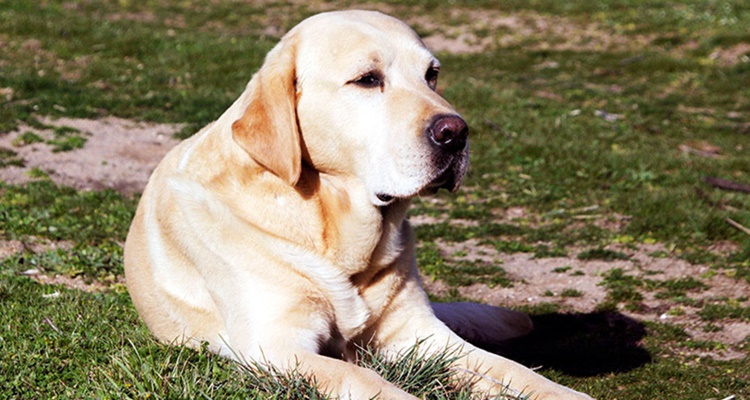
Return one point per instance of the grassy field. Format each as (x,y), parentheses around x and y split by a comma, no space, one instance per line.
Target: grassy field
(594,124)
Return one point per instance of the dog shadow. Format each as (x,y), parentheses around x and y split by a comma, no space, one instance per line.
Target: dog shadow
(579,344)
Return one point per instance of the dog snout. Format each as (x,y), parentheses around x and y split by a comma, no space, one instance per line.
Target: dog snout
(448,132)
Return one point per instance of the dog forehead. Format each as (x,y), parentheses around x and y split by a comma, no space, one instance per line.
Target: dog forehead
(338,39)
(353,19)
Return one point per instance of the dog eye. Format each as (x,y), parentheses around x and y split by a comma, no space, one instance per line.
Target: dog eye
(431,76)
(369,80)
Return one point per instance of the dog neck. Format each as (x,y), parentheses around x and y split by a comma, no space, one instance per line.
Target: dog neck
(357,235)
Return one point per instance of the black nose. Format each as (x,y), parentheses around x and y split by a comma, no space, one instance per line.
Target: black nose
(449,132)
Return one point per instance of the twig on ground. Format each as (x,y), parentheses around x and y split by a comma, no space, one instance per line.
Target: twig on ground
(726,184)
(51,324)
(738,225)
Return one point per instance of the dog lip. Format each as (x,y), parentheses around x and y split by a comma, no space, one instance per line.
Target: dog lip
(445,180)
(450,179)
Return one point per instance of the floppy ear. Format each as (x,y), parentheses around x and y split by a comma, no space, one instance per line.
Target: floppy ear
(268,129)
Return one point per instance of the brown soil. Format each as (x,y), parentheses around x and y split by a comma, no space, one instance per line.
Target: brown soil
(118,154)
(539,281)
(486,29)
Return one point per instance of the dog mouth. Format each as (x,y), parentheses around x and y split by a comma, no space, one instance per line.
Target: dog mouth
(449,179)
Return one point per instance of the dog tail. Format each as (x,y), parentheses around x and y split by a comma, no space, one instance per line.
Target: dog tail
(482,324)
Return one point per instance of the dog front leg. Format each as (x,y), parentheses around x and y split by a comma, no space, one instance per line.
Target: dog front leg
(291,338)
(341,379)
(409,319)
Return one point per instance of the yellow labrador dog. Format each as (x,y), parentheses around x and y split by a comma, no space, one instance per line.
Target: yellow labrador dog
(278,232)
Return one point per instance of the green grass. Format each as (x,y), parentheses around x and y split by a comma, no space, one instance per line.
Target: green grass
(676,288)
(65,138)
(459,272)
(9,158)
(571,293)
(42,209)
(621,288)
(602,254)
(27,138)
(102,262)
(578,138)
(713,312)
(52,344)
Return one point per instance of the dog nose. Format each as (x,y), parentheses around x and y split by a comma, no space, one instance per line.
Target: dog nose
(449,132)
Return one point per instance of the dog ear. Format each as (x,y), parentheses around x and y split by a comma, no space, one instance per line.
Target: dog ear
(268,129)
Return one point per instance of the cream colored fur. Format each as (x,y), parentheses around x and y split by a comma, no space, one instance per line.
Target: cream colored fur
(267,234)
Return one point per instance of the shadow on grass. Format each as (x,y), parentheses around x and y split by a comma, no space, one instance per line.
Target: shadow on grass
(580,344)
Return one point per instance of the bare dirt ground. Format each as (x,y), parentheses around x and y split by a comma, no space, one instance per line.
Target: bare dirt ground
(118,154)
(539,281)
(121,154)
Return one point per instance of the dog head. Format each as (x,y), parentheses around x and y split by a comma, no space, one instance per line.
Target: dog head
(352,93)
